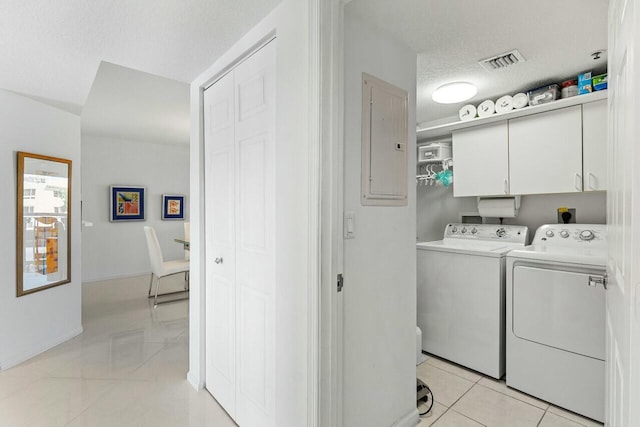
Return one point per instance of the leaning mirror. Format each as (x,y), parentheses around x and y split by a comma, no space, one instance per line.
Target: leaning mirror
(44,218)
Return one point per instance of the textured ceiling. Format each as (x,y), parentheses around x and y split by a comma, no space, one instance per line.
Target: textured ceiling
(129,104)
(52,49)
(451,36)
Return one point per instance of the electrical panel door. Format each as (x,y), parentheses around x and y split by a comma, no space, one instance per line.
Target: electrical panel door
(384,143)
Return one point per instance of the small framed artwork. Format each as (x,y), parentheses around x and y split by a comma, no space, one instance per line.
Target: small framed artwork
(172,206)
(127,203)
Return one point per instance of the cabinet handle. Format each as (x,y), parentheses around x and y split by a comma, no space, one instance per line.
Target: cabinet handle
(578,182)
(506,187)
(592,178)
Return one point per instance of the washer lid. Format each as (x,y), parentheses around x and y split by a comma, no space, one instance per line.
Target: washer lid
(478,248)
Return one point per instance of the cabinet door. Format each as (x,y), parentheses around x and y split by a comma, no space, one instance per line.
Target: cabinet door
(481,161)
(545,152)
(594,145)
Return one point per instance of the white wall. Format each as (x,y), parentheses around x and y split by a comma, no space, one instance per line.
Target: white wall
(437,207)
(542,209)
(34,323)
(380,263)
(290,23)
(119,249)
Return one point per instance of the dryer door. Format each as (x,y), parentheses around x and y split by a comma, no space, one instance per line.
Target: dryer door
(560,309)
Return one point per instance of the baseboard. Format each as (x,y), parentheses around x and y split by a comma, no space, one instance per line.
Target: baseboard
(409,420)
(116,277)
(195,381)
(27,354)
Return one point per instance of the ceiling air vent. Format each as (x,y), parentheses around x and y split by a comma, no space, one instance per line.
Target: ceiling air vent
(503,60)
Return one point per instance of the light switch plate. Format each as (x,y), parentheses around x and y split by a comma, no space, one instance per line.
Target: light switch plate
(349,225)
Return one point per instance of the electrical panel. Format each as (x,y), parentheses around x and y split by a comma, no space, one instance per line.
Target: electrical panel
(384,143)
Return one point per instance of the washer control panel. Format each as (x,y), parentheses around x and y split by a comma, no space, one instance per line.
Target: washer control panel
(594,235)
(490,232)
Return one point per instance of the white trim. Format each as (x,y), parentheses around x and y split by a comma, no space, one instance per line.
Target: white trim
(409,420)
(117,277)
(332,174)
(250,51)
(26,354)
(314,237)
(195,381)
(196,374)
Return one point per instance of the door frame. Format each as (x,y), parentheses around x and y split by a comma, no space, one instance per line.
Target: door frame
(619,401)
(331,77)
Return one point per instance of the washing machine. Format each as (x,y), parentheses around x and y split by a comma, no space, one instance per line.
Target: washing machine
(461,294)
(556,317)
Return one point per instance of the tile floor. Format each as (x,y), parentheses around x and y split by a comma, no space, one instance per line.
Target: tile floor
(127,369)
(465,398)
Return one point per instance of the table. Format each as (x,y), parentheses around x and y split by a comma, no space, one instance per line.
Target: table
(185,243)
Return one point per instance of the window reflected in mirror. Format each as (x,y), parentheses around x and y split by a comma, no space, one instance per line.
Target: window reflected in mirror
(43,229)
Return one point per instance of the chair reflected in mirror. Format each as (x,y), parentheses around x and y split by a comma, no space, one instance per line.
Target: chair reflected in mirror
(161,268)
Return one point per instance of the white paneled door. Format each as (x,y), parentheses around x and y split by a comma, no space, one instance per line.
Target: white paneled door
(623,217)
(240,239)
(220,243)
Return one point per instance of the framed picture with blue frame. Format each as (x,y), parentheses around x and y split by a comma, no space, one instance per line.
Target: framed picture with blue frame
(172,206)
(126,203)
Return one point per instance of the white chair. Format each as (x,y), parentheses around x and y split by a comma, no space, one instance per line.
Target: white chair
(161,268)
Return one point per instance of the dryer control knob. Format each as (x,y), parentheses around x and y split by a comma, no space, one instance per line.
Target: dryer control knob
(550,233)
(501,232)
(564,234)
(454,229)
(464,230)
(474,230)
(587,235)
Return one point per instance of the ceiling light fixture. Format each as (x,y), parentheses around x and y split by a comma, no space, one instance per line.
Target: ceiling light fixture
(454,92)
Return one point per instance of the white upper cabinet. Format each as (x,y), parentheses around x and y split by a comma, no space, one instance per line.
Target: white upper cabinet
(594,145)
(545,152)
(563,150)
(481,160)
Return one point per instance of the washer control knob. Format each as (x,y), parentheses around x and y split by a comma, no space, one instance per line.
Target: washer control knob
(501,232)
(464,230)
(587,235)
(474,230)
(550,233)
(564,234)
(454,229)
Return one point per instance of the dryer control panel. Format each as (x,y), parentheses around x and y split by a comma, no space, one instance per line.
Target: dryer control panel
(487,232)
(569,235)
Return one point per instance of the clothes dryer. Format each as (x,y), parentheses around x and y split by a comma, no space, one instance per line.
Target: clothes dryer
(556,317)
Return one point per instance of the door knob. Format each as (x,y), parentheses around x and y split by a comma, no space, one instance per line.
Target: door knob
(218,260)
